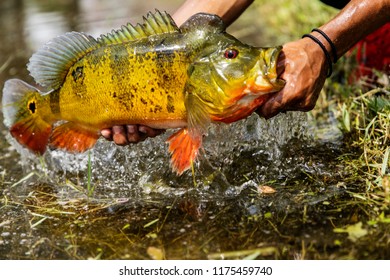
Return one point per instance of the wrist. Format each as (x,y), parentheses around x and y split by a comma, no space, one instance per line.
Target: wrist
(327,42)
(323,50)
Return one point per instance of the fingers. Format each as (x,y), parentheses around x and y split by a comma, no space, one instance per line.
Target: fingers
(272,107)
(150,132)
(119,135)
(132,134)
(126,134)
(303,67)
(106,133)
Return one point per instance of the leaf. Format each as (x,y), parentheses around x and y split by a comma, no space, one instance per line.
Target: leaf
(155,253)
(383,219)
(268,215)
(355,231)
(266,189)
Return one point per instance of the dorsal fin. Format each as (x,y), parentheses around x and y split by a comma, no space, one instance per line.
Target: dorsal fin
(50,64)
(154,23)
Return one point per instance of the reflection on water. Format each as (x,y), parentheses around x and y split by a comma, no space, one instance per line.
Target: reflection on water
(133,185)
(26,25)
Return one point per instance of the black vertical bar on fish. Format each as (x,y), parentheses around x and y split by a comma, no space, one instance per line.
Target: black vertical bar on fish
(55,102)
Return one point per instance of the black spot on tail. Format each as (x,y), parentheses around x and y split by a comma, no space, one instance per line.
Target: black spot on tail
(32,107)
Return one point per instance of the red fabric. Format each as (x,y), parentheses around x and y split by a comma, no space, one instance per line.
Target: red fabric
(373,52)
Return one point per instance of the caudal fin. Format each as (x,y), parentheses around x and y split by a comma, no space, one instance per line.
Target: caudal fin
(23,111)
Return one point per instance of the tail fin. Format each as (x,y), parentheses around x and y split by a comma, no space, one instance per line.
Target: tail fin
(23,108)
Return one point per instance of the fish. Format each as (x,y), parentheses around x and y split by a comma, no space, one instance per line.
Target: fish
(153,73)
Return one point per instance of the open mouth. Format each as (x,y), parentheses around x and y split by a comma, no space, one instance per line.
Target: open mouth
(267,79)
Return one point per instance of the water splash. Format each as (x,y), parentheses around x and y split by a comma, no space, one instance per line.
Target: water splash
(255,150)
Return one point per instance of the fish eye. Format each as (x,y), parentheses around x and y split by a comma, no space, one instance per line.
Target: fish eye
(231,53)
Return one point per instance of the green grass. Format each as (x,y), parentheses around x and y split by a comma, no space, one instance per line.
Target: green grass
(286,20)
(90,187)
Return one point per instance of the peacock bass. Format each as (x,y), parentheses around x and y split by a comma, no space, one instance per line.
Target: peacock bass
(154,73)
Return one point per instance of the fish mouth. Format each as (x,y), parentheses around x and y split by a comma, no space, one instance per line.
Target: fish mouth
(267,79)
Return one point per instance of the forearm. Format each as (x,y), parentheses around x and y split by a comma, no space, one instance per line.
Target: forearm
(358,19)
(304,64)
(228,10)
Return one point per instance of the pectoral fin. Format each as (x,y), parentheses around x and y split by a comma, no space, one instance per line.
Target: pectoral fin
(185,143)
(72,138)
(198,116)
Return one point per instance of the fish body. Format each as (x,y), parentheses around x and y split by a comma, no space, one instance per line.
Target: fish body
(154,74)
(123,83)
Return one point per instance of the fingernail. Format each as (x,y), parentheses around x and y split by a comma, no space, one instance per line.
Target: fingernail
(142,129)
(106,133)
(131,129)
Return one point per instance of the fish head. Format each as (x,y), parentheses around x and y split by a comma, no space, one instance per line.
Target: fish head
(242,69)
(229,63)
(230,78)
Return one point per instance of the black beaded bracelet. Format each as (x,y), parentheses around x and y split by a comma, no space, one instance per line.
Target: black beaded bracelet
(327,55)
(332,46)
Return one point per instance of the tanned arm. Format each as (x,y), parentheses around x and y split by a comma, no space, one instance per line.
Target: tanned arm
(228,10)
(304,63)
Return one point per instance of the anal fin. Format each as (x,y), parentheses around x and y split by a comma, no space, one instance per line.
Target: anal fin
(184,149)
(72,138)
(32,133)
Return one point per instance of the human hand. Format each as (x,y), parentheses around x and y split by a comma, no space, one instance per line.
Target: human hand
(303,66)
(126,134)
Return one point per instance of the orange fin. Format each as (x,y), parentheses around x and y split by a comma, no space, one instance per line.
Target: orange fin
(185,143)
(184,149)
(33,134)
(73,138)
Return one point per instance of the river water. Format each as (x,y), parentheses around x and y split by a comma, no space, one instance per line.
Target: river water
(254,193)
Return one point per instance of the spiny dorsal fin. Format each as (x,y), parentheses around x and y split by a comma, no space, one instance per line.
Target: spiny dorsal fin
(157,23)
(50,64)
